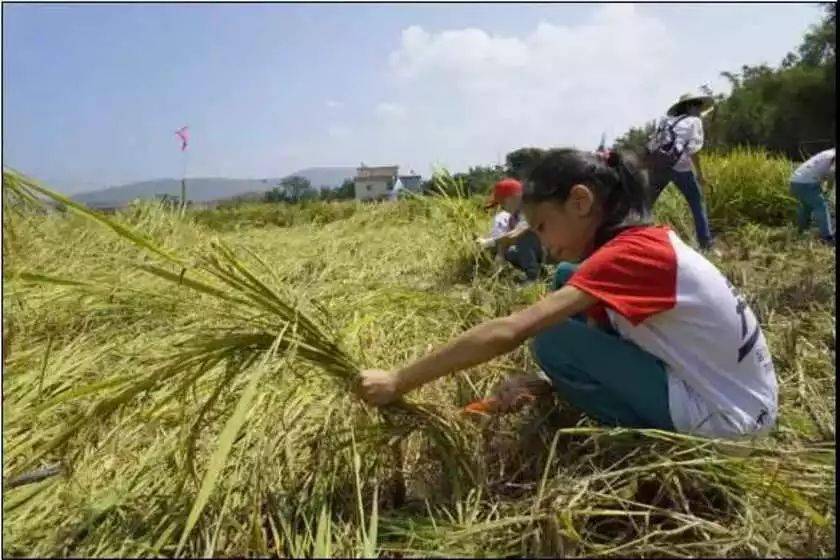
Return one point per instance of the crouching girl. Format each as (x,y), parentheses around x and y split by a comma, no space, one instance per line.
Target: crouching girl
(644,333)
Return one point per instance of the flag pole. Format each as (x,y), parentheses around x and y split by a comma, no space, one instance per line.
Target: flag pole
(183,135)
(184,185)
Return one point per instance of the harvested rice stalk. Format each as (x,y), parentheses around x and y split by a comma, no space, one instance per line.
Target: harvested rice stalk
(255,317)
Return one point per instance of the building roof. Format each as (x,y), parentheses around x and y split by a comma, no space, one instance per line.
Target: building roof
(410,181)
(385,171)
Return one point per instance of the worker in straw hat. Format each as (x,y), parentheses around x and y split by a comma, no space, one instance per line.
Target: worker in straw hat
(672,157)
(511,238)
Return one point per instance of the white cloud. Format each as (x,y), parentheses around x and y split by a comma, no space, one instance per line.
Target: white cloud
(333,104)
(466,53)
(555,85)
(338,131)
(464,97)
(389,111)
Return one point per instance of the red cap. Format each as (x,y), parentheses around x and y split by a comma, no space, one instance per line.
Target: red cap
(503,189)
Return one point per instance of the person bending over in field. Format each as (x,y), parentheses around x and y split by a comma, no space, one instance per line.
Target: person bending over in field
(806,186)
(511,238)
(643,333)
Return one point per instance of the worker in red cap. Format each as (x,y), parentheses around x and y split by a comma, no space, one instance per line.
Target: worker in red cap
(510,237)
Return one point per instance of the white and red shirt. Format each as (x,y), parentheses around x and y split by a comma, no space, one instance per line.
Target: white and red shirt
(659,293)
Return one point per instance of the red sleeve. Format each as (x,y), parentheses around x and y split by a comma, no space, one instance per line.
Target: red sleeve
(599,313)
(634,274)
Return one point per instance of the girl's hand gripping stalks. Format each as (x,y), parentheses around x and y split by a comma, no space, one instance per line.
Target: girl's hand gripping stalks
(379,387)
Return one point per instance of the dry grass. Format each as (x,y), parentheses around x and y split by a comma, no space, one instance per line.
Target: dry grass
(233,408)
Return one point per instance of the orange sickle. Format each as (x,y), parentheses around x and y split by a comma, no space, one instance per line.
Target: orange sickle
(490,405)
(483,406)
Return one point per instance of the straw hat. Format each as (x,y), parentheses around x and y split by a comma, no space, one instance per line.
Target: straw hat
(706,99)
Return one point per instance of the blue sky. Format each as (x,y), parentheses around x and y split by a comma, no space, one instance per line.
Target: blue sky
(92,94)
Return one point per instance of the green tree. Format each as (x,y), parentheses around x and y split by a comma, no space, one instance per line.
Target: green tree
(292,189)
(789,109)
(346,191)
(480,179)
(635,140)
(780,109)
(819,45)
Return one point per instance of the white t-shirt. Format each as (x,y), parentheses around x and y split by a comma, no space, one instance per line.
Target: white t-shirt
(817,169)
(660,294)
(504,222)
(689,137)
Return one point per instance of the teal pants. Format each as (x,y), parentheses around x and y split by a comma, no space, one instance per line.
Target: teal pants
(611,379)
(812,203)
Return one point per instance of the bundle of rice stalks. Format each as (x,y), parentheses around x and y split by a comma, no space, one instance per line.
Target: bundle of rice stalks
(637,493)
(449,202)
(255,323)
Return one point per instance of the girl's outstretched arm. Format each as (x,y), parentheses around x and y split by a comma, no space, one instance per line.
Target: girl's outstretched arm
(476,346)
(511,237)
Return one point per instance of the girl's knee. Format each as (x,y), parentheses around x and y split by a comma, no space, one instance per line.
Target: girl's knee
(544,352)
(564,272)
(538,346)
(550,348)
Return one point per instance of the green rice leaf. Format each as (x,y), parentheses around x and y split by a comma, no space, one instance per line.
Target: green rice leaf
(224,445)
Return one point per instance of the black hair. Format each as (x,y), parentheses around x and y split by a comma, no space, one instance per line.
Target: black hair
(619,185)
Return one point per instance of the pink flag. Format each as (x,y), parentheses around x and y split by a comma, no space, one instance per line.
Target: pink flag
(183,134)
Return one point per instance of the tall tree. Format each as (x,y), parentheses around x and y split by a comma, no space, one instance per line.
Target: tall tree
(480,179)
(291,189)
(635,140)
(346,191)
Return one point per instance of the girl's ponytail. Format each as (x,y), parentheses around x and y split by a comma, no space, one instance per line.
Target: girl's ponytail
(632,179)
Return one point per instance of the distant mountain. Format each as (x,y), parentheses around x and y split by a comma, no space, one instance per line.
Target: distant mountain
(205,189)
(329,177)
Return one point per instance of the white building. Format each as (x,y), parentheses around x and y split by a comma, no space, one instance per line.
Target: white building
(407,184)
(375,183)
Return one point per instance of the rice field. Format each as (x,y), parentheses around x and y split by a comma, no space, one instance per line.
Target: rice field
(192,379)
